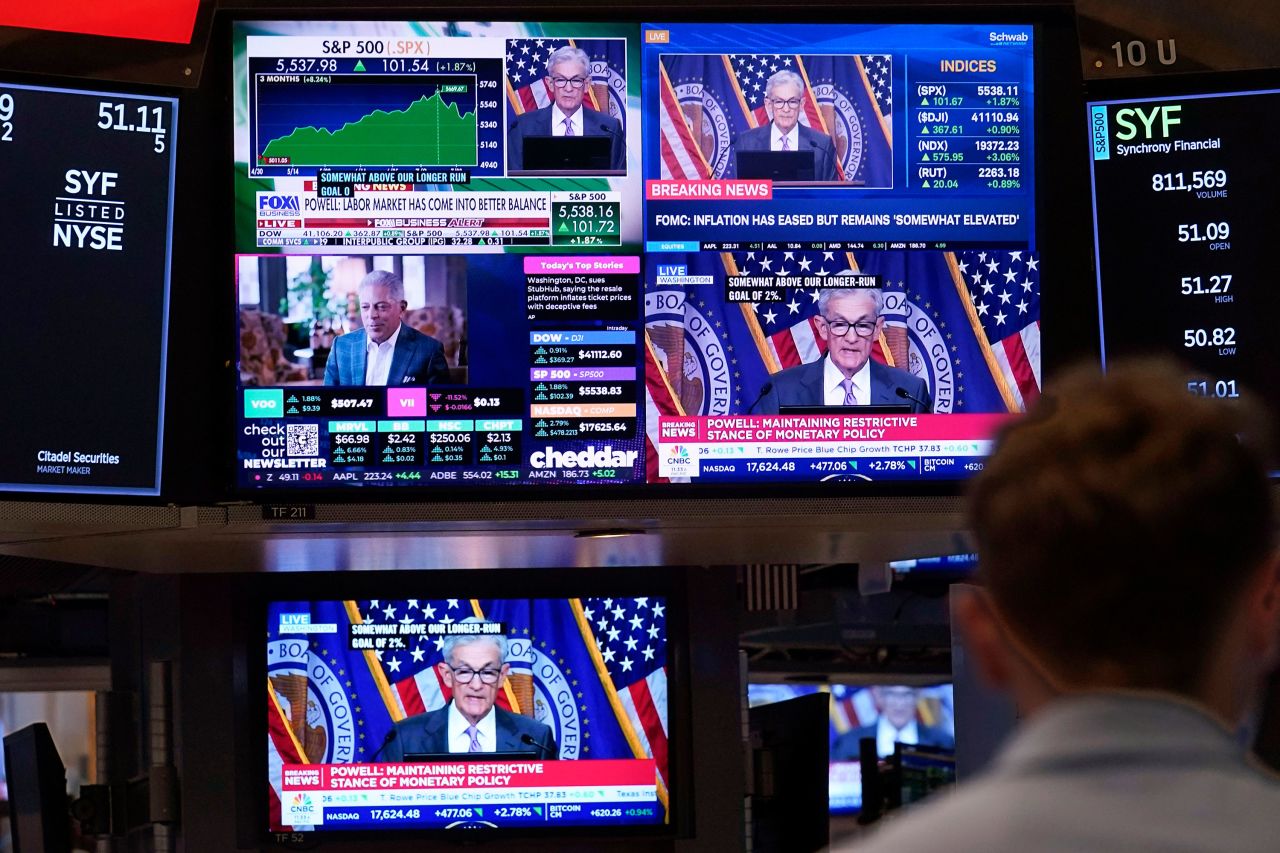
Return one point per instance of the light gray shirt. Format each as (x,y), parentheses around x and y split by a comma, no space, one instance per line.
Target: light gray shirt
(1139,773)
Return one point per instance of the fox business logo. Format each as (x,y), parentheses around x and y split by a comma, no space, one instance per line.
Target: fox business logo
(606,457)
(270,204)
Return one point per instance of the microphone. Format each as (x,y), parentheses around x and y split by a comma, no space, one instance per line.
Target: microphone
(765,389)
(609,128)
(391,735)
(907,395)
(527,740)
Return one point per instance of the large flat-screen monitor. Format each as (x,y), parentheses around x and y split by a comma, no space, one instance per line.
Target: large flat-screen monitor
(813,255)
(87,182)
(1184,199)
(516,715)
(913,716)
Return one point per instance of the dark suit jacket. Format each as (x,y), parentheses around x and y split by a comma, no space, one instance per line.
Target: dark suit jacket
(429,734)
(846,746)
(824,150)
(538,123)
(802,386)
(418,359)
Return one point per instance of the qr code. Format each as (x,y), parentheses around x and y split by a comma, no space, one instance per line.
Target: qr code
(302,440)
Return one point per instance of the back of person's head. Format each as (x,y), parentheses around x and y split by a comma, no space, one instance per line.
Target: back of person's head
(1120,521)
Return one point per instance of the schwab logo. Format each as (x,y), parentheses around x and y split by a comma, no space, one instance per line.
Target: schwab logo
(277,204)
(1016,38)
(589,458)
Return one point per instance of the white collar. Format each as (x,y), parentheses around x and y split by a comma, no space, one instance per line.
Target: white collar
(487,728)
(832,376)
(370,346)
(793,134)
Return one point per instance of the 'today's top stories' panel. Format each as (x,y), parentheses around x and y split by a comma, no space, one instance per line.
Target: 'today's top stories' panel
(1185,202)
(87,182)
(431,137)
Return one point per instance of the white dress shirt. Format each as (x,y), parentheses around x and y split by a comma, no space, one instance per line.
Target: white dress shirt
(557,121)
(460,741)
(887,736)
(833,391)
(793,138)
(377,361)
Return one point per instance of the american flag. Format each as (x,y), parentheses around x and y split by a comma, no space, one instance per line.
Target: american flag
(790,326)
(411,671)
(1004,287)
(681,155)
(879,71)
(631,634)
(753,71)
(526,64)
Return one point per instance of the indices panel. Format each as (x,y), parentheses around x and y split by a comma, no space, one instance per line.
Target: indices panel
(87,183)
(1185,203)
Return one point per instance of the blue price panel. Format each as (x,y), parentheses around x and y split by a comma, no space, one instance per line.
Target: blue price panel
(369,113)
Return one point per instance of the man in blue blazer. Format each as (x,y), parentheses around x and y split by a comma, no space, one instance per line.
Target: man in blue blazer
(474,669)
(849,321)
(385,351)
(784,96)
(568,75)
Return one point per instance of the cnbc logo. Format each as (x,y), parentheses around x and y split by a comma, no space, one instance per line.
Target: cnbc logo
(301,806)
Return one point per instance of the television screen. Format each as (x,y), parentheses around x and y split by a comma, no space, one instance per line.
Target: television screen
(922,716)
(87,181)
(445,714)
(1183,203)
(631,253)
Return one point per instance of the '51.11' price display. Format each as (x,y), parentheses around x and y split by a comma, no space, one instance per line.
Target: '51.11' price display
(1185,200)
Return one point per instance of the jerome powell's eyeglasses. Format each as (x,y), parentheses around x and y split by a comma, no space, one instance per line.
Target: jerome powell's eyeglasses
(840,328)
(568,82)
(787,104)
(464,675)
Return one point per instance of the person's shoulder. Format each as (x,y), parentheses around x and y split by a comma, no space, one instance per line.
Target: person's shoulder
(796,374)
(596,115)
(532,117)
(355,338)
(422,721)
(885,373)
(815,134)
(753,134)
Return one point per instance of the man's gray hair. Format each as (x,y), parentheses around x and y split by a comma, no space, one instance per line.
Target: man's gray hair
(784,76)
(829,293)
(392,282)
(568,53)
(452,641)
